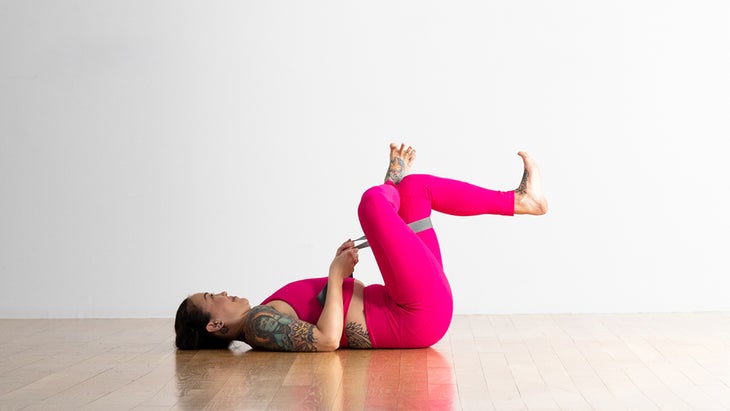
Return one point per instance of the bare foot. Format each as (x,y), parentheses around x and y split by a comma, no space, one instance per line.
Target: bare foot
(400,162)
(529,198)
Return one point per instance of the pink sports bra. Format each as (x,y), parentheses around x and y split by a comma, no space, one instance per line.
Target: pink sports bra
(302,296)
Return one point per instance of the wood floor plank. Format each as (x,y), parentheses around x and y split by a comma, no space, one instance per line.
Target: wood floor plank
(655,361)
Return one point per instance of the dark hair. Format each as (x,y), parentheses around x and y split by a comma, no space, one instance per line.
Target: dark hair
(190,332)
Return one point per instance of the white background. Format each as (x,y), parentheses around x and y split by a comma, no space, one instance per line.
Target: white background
(152,149)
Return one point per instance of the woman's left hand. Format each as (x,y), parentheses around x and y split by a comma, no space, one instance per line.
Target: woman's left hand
(346,245)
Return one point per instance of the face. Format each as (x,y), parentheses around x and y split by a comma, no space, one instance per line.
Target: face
(221,306)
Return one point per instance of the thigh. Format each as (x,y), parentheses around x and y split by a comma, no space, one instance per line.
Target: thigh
(411,271)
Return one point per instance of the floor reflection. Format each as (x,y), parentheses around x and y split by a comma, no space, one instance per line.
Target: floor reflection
(345,379)
(404,379)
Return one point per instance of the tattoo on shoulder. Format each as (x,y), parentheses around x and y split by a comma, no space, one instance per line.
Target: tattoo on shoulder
(268,329)
(357,336)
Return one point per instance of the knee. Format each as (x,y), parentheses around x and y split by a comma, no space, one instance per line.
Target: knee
(413,183)
(371,196)
(412,179)
(376,197)
(408,180)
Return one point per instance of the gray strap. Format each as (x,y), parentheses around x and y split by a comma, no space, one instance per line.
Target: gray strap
(417,226)
(421,225)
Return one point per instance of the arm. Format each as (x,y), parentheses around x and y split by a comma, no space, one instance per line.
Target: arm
(331,321)
(268,329)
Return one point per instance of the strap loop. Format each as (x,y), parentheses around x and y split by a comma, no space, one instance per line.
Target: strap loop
(417,226)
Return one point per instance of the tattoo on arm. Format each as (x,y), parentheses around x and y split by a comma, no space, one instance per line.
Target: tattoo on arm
(357,337)
(268,329)
(523,185)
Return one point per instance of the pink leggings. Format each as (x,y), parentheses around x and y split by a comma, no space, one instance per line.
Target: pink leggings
(414,307)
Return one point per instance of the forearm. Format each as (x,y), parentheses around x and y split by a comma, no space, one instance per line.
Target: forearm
(331,321)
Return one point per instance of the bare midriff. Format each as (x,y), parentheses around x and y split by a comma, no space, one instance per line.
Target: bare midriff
(356,312)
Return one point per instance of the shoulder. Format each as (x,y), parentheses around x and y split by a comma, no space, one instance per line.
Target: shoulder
(269,329)
(266,308)
(264,313)
(283,307)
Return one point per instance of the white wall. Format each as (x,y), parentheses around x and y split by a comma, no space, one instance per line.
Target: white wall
(153,149)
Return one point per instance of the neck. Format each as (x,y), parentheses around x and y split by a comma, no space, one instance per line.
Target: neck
(236,330)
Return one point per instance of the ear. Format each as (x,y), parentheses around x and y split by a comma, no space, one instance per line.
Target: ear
(214,326)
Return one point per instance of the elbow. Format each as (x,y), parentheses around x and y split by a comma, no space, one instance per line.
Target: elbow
(329,345)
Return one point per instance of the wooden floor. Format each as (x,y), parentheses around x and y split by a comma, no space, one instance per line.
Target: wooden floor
(512,362)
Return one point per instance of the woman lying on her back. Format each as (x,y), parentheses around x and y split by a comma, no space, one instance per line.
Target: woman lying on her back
(413,306)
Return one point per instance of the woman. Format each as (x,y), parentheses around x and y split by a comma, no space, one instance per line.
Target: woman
(412,309)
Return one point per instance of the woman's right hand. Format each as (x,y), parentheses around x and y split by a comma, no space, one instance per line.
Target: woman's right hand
(345,260)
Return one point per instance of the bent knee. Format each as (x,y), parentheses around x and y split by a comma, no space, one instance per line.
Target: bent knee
(379,196)
(372,194)
(414,184)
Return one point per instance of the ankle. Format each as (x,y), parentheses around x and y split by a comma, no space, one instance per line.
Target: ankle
(525,204)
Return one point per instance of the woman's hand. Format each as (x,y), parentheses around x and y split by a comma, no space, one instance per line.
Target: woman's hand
(331,321)
(347,244)
(345,260)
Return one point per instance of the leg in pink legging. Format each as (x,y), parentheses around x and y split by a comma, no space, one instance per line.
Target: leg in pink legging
(414,307)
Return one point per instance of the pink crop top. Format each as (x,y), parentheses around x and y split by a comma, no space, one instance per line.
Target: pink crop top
(302,296)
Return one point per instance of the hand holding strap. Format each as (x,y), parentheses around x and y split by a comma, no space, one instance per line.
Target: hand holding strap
(417,226)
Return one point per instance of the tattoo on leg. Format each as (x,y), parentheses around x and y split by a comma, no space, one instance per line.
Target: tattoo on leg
(268,329)
(396,170)
(523,184)
(357,337)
